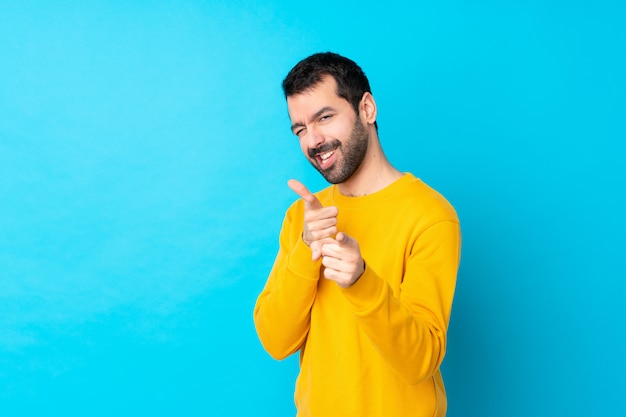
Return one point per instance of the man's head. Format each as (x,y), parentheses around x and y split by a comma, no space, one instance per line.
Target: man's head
(350,78)
(331,107)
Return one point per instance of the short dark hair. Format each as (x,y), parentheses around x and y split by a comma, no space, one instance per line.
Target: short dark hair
(351,80)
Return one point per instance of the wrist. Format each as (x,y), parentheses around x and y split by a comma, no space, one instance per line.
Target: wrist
(304,240)
(360,274)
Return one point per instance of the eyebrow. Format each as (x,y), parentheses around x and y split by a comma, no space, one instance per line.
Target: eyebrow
(315,116)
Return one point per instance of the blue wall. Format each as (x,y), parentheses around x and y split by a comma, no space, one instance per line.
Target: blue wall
(144,154)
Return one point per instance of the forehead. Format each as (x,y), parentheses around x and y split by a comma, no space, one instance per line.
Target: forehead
(323,94)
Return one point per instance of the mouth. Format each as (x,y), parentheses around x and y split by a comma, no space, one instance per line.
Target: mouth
(326,159)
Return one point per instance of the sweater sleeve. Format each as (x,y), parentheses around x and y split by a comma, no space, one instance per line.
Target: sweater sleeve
(282,314)
(409,329)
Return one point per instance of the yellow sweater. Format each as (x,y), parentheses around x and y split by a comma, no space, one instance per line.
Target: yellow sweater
(373,349)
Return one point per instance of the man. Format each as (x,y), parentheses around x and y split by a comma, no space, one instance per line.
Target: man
(363,282)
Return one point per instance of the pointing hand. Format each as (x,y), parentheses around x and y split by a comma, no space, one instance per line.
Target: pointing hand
(342,260)
(320,223)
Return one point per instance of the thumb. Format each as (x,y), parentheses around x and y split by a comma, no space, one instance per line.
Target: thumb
(309,198)
(344,239)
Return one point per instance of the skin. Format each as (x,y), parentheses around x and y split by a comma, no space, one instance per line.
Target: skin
(319,116)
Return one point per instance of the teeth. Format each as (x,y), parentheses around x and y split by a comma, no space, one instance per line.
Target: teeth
(326,155)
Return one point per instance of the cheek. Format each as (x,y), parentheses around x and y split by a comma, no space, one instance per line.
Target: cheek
(343,130)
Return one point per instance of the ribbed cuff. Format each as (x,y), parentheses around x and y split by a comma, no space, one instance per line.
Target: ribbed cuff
(300,262)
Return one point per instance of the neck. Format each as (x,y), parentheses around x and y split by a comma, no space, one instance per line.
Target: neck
(374,174)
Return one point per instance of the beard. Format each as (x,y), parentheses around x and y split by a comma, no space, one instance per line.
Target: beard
(352,152)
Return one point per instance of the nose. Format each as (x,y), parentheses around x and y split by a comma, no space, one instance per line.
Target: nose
(315,136)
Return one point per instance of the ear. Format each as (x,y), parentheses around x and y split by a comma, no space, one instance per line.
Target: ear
(367,108)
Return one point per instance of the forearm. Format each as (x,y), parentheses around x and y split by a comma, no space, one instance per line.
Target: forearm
(409,328)
(412,345)
(282,313)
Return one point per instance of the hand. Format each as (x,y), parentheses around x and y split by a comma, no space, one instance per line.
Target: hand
(320,223)
(342,260)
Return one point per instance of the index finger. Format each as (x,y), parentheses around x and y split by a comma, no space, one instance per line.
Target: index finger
(308,197)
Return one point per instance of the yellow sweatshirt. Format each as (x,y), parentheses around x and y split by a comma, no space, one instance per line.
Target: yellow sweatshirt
(373,349)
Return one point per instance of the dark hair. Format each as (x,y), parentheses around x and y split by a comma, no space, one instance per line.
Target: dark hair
(351,80)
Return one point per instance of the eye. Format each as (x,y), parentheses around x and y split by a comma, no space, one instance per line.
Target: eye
(300,132)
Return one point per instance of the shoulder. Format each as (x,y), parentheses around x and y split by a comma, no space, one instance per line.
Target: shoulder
(421,200)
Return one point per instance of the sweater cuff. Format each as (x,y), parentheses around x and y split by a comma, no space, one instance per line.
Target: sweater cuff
(300,261)
(365,293)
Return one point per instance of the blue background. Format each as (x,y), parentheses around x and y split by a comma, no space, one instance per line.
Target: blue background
(144,154)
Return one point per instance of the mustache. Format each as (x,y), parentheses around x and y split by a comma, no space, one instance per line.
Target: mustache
(324,147)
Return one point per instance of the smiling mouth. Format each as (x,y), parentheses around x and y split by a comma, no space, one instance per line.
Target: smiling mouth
(325,159)
(324,155)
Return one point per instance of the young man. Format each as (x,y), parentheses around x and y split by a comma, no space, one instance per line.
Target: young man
(363,282)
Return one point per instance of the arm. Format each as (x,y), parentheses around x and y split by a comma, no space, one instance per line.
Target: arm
(283,309)
(282,314)
(409,331)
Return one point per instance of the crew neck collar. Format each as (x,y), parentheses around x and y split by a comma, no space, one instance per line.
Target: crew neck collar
(381,195)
